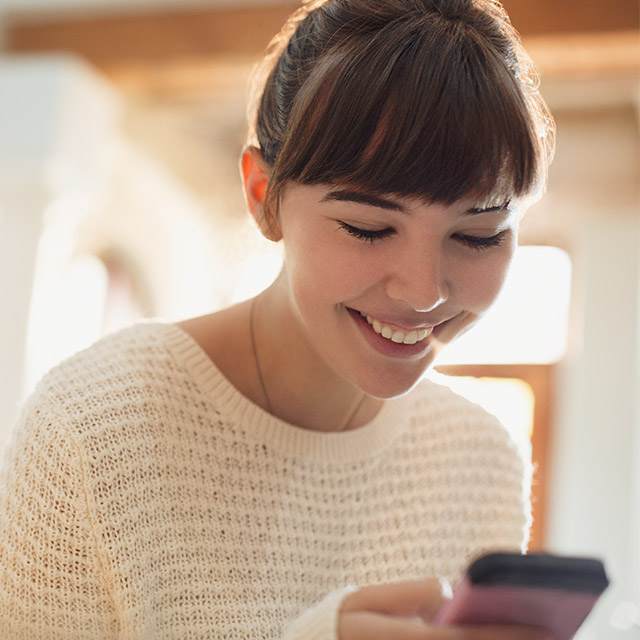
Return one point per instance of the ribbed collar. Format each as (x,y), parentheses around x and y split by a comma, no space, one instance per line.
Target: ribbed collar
(348,446)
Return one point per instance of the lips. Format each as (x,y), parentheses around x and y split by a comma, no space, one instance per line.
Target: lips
(410,336)
(397,348)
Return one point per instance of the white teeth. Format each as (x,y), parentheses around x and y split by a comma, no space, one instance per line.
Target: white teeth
(397,336)
(411,338)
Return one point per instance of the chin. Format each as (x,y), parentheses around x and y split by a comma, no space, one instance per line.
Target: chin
(387,388)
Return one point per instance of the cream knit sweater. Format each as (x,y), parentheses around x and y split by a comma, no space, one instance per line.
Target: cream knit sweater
(143,497)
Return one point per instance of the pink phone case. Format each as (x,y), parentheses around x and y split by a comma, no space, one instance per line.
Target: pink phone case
(560,611)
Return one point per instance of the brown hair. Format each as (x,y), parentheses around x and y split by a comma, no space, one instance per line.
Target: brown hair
(428,98)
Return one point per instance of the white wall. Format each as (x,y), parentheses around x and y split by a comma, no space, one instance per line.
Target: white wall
(594,205)
(53,144)
(593,499)
(71,184)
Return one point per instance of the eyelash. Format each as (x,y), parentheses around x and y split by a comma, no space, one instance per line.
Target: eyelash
(479,242)
(366,234)
(474,242)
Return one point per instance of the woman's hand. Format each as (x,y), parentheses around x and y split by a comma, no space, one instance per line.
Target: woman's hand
(404,610)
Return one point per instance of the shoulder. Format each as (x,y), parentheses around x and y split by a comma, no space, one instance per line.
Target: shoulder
(484,467)
(464,427)
(84,395)
(434,400)
(115,361)
(122,376)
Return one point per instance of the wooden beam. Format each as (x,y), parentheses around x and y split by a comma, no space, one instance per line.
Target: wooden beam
(537,17)
(153,37)
(182,52)
(558,57)
(586,54)
(227,30)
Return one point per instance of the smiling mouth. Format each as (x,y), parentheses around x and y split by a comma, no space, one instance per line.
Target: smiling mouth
(399,337)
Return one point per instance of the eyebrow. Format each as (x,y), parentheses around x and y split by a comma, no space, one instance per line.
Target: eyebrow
(346,195)
(350,195)
(499,207)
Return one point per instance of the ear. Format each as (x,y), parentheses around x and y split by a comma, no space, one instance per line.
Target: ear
(255,177)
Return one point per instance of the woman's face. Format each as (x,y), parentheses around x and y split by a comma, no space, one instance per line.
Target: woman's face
(377,286)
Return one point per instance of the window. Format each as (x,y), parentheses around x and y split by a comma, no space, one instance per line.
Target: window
(507,363)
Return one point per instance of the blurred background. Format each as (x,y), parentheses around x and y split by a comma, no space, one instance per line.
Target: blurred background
(121,122)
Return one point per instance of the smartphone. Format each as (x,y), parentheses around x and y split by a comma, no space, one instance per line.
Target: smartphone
(543,590)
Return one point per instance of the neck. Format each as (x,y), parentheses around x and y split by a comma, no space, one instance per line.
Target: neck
(296,385)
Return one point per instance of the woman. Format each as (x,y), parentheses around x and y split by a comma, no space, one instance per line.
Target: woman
(263,472)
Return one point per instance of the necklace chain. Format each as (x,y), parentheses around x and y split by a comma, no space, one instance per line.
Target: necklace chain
(261,378)
(255,355)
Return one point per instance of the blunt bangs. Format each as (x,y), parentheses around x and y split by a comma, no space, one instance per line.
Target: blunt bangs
(423,108)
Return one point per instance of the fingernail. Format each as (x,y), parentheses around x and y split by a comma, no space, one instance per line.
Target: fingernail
(445,589)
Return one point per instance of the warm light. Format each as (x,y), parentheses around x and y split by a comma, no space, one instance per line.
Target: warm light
(528,322)
(511,400)
(257,269)
(69,314)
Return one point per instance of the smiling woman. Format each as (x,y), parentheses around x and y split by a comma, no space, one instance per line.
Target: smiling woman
(241,474)
(408,265)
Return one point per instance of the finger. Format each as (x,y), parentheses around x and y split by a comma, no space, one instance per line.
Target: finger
(408,598)
(365,625)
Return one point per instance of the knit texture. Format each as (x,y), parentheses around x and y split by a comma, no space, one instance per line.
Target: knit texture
(143,497)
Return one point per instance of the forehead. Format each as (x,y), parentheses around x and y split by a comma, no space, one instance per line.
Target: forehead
(355,194)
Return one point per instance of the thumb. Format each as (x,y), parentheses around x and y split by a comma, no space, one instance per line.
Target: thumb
(409,598)
(429,608)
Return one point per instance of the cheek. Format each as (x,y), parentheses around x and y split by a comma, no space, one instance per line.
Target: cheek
(482,281)
(325,265)
(315,271)
(310,261)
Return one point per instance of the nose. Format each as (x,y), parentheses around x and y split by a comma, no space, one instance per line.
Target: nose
(419,278)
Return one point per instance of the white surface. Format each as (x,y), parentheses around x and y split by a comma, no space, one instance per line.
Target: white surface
(70,184)
(55,115)
(594,505)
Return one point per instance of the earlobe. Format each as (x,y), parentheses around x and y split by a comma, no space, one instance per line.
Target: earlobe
(255,178)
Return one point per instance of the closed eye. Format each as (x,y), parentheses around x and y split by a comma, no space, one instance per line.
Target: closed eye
(481,242)
(368,235)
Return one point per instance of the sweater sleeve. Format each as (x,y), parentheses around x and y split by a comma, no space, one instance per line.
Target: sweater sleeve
(319,622)
(51,582)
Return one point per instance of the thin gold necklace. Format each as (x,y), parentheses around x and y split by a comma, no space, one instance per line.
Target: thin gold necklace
(255,355)
(352,415)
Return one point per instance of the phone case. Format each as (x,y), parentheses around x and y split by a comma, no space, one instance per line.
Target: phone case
(553,592)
